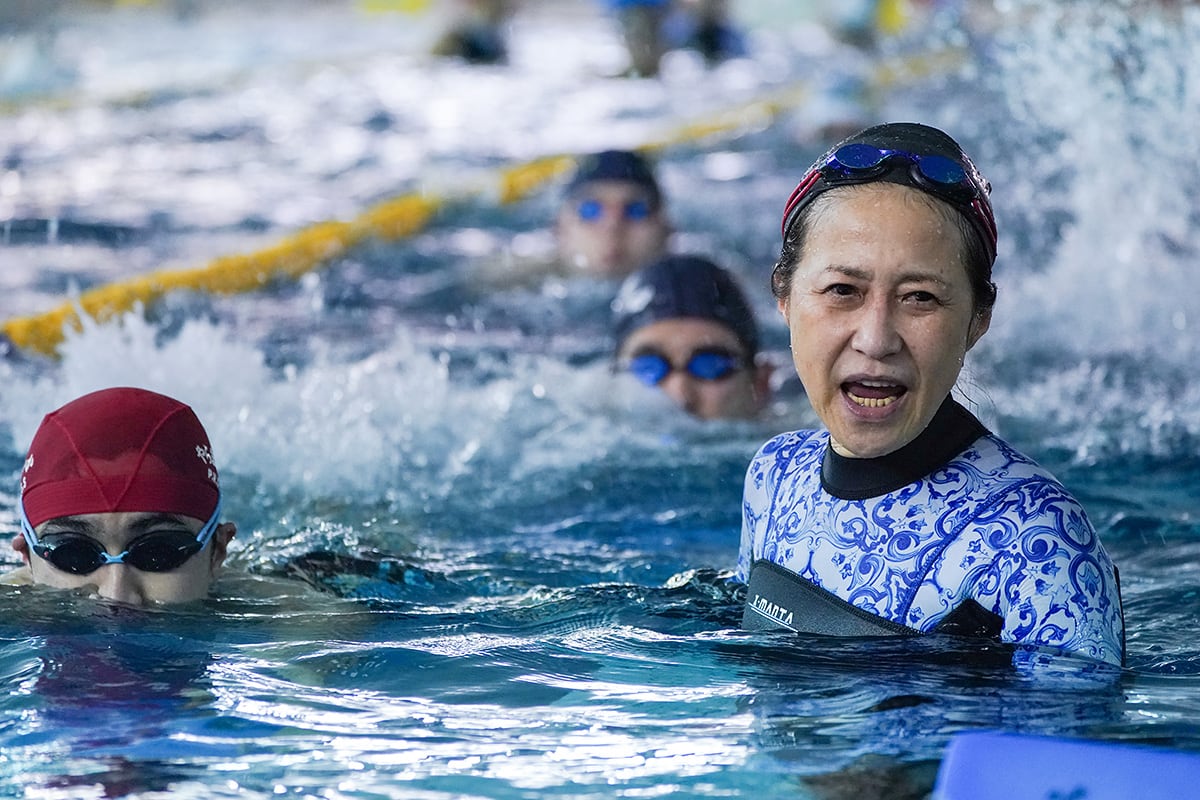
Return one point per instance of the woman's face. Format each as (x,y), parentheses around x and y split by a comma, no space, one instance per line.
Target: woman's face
(880,314)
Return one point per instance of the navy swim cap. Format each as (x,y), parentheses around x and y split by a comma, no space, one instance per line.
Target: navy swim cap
(684,286)
(616,165)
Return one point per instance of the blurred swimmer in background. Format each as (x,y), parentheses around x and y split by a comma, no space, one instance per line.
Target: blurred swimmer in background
(684,326)
(476,33)
(612,219)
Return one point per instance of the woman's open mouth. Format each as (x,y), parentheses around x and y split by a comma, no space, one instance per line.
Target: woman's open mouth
(873,394)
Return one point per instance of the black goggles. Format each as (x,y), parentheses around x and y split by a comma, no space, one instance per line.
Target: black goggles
(652,368)
(957,182)
(157,551)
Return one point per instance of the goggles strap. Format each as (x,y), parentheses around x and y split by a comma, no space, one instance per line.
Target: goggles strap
(202,536)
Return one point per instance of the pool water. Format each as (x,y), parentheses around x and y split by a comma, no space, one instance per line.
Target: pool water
(471,562)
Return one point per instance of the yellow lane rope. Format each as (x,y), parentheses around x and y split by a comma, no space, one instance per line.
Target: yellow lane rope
(233,274)
(319,244)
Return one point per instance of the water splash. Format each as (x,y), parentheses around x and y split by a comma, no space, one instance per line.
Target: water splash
(1090,146)
(1103,99)
(396,423)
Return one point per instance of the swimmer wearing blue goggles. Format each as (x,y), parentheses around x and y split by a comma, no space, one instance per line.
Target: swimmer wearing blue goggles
(706,364)
(161,550)
(957,182)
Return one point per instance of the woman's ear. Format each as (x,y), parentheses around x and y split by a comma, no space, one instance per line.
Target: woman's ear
(980,323)
(782,304)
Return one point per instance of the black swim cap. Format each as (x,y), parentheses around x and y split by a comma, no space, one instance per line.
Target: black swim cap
(907,153)
(616,165)
(684,286)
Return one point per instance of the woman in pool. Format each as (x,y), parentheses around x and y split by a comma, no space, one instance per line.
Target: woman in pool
(906,515)
(120,496)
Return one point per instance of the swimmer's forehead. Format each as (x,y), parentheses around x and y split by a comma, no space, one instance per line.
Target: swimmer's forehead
(615,187)
(135,521)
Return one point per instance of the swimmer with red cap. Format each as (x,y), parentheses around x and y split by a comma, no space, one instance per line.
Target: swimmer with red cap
(120,496)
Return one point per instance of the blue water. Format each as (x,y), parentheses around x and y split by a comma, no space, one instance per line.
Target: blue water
(469,563)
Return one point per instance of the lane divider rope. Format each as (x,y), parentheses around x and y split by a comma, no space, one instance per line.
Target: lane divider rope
(322,243)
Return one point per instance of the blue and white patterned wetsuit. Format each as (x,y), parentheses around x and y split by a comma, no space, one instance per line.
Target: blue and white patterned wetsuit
(912,540)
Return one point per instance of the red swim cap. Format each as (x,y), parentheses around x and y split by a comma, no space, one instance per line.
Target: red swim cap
(120,449)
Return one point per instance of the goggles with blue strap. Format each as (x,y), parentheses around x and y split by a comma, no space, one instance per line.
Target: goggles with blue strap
(157,551)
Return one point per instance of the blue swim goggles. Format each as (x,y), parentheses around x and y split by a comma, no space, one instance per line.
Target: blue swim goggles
(957,182)
(652,368)
(592,210)
(157,551)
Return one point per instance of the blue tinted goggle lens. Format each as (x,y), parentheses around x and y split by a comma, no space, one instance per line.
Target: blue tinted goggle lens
(637,210)
(948,178)
(591,210)
(706,365)
(864,157)
(649,368)
(712,366)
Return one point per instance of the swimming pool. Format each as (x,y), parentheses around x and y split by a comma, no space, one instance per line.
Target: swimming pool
(505,567)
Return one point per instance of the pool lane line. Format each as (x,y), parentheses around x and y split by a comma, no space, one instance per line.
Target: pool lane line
(290,258)
(318,245)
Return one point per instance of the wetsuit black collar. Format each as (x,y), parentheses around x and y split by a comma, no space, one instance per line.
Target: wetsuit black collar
(951,431)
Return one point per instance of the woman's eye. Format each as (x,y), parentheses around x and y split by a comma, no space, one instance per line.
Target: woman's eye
(841,290)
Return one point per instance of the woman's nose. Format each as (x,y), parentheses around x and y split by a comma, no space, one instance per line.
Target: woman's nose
(876,334)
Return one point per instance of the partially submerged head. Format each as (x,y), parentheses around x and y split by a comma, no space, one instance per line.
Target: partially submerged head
(683,325)
(120,494)
(885,282)
(612,219)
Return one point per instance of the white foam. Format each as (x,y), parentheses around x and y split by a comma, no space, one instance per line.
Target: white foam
(1108,98)
(395,420)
